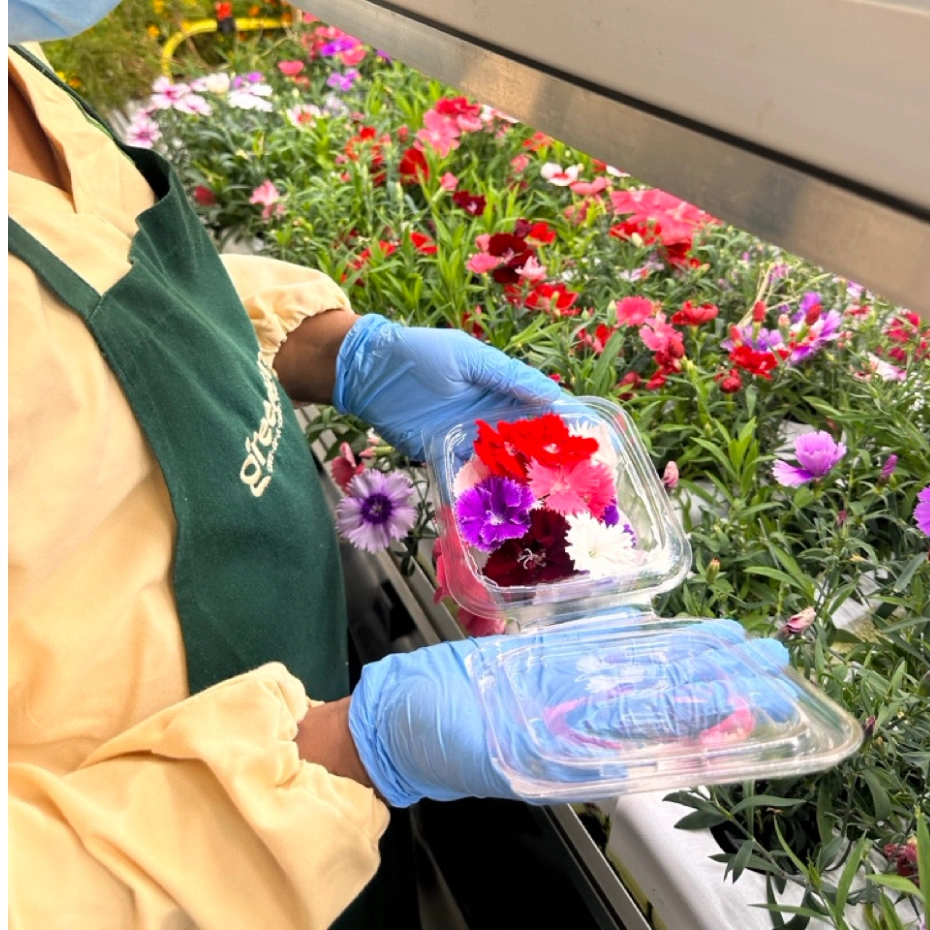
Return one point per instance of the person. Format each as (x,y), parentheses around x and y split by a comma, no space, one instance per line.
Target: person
(183,750)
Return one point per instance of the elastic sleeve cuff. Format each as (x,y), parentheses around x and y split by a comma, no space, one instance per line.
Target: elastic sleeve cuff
(278,296)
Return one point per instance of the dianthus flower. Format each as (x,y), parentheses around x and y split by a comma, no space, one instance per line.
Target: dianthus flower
(493,511)
(377,509)
(817,453)
(536,558)
(547,440)
(599,549)
(756,363)
(634,311)
(584,487)
(922,511)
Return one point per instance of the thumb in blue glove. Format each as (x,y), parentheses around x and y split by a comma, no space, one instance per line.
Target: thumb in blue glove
(420,730)
(407,380)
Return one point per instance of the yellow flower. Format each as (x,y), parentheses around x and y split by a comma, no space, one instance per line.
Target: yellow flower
(158,6)
(153,31)
(254,10)
(74,82)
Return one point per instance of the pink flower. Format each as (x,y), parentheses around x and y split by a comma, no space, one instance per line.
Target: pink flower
(554,174)
(352,56)
(670,476)
(582,488)
(448,182)
(482,262)
(479,626)
(817,454)
(532,270)
(660,336)
(345,467)
(440,133)
(588,188)
(290,68)
(634,311)
(519,163)
(268,195)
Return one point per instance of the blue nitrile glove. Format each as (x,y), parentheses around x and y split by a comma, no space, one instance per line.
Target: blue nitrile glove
(420,731)
(404,380)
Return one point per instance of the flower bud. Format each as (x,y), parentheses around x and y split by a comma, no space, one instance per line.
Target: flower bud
(713,569)
(888,468)
(868,728)
(797,624)
(842,517)
(758,312)
(670,476)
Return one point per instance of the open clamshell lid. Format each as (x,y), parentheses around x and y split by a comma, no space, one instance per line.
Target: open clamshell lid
(660,554)
(632,702)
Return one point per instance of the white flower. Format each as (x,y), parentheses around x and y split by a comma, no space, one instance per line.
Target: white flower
(599,549)
(554,174)
(193,104)
(304,114)
(247,100)
(470,474)
(216,83)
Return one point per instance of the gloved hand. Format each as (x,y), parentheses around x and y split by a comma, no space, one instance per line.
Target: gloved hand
(404,380)
(420,732)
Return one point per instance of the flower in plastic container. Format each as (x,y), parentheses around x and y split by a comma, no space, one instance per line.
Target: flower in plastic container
(599,549)
(377,510)
(493,511)
(536,558)
(817,454)
(584,487)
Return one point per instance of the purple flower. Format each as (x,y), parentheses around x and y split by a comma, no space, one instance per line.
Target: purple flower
(340,81)
(377,509)
(922,511)
(816,452)
(338,46)
(611,514)
(762,341)
(810,340)
(493,511)
(778,271)
(891,463)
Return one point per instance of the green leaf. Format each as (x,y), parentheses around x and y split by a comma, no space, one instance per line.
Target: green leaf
(923,853)
(904,579)
(790,909)
(766,800)
(845,883)
(880,800)
(741,859)
(700,820)
(898,882)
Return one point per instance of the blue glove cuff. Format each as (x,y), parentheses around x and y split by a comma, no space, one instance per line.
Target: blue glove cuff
(351,359)
(365,726)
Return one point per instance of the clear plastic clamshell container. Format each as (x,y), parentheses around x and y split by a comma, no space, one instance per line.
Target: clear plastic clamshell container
(596,696)
(659,556)
(635,703)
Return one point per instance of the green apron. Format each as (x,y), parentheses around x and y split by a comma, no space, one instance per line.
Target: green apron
(256,570)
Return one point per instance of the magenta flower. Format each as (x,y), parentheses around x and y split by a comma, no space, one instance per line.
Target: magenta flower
(816,453)
(377,510)
(344,81)
(922,511)
(493,511)
(891,463)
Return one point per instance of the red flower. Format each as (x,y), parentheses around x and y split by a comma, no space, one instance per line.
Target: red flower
(536,558)
(423,243)
(759,311)
(547,440)
(598,341)
(633,311)
(223,10)
(756,363)
(470,203)
(694,316)
(471,322)
(413,167)
(540,234)
(730,382)
(551,298)
(513,251)
(497,454)
(364,257)
(204,196)
(904,857)
(366,141)
(633,380)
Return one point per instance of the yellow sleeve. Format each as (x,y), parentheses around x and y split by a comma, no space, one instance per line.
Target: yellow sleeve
(279,296)
(202,814)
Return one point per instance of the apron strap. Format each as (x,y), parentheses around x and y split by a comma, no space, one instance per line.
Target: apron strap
(69,287)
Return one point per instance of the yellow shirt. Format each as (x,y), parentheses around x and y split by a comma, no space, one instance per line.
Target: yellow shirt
(133,804)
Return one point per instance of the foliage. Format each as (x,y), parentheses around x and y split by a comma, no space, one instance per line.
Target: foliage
(402,191)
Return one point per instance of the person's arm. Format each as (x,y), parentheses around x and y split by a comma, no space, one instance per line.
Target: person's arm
(205,813)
